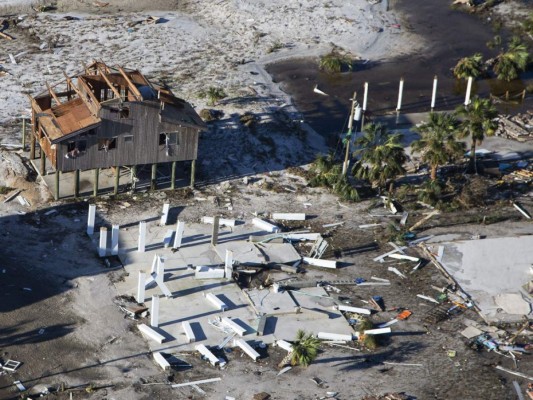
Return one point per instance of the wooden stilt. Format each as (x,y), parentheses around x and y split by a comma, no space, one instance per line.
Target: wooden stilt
(56,196)
(193,173)
(77,183)
(95,185)
(117,180)
(43,163)
(32,147)
(153,181)
(173,176)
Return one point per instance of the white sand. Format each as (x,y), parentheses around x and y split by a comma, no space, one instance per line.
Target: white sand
(201,46)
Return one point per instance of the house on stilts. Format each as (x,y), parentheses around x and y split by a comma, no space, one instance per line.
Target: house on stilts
(112,117)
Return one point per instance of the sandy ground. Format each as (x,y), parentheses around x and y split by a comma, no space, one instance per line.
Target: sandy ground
(224,43)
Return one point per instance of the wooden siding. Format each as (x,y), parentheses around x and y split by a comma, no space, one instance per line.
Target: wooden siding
(143,123)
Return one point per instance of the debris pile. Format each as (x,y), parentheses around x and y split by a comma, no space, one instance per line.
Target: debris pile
(518,127)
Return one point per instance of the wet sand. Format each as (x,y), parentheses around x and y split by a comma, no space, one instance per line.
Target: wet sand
(450,35)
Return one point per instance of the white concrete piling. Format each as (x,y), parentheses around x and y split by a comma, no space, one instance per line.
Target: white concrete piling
(468,90)
(434,93)
(160,277)
(188,331)
(164,215)
(207,354)
(214,300)
(266,226)
(114,239)
(145,329)
(141,287)
(365,96)
(154,312)
(239,330)
(142,237)
(228,264)
(254,355)
(289,216)
(180,228)
(400,95)
(162,361)
(102,248)
(90,219)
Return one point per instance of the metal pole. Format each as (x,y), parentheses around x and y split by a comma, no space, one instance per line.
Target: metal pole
(153,182)
(348,135)
(434,94)
(95,184)
(193,173)
(173,176)
(117,180)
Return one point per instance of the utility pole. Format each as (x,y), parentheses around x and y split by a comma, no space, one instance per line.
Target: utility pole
(349,135)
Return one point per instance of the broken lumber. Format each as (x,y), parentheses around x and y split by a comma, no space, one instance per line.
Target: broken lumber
(289,216)
(514,373)
(356,310)
(316,262)
(378,331)
(522,211)
(176,385)
(6,36)
(266,226)
(221,221)
(404,257)
(426,218)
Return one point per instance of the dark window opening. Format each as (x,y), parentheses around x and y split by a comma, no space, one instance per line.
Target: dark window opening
(162,139)
(107,144)
(172,138)
(128,139)
(75,148)
(124,112)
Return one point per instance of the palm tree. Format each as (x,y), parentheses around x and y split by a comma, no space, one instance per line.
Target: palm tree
(328,173)
(469,66)
(304,350)
(381,155)
(438,144)
(477,121)
(508,64)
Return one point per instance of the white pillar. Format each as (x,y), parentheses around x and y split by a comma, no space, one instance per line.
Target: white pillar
(140,287)
(180,228)
(90,219)
(164,216)
(228,264)
(468,90)
(114,239)
(154,312)
(400,95)
(434,93)
(142,237)
(365,96)
(102,249)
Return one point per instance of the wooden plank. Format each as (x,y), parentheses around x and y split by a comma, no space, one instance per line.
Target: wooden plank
(131,85)
(6,36)
(103,75)
(176,385)
(52,93)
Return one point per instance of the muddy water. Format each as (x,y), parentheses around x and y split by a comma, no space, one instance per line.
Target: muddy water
(452,34)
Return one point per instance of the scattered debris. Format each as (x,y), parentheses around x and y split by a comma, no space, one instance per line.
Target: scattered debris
(11,365)
(177,385)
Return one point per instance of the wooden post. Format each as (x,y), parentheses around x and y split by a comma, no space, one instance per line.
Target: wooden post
(77,183)
(153,181)
(56,196)
(173,176)
(117,180)
(43,163)
(32,147)
(23,134)
(95,184)
(193,173)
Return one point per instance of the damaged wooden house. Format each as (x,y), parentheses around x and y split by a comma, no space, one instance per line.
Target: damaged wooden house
(112,117)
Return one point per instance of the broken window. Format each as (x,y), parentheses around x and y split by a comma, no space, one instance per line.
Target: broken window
(124,112)
(168,139)
(107,144)
(162,139)
(75,148)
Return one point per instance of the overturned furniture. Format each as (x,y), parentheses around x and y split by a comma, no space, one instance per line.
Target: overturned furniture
(112,117)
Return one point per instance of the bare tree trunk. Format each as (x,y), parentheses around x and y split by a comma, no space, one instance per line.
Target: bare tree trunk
(433,174)
(286,360)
